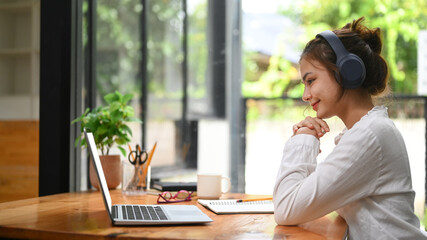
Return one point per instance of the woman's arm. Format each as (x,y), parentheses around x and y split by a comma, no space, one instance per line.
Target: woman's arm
(305,190)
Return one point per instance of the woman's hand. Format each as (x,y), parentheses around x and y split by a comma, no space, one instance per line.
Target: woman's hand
(314,126)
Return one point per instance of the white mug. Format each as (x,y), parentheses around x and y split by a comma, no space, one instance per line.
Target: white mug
(211,186)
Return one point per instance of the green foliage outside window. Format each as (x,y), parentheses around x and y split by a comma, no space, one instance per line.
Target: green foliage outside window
(400,22)
(118,46)
(197,50)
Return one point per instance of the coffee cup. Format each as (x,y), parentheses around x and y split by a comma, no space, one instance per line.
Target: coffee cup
(212,186)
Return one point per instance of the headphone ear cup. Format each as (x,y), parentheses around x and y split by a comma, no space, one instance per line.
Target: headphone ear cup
(352,70)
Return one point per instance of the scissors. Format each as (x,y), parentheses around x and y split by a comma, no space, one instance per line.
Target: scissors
(137,156)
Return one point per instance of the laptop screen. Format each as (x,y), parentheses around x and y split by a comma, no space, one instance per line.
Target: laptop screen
(98,168)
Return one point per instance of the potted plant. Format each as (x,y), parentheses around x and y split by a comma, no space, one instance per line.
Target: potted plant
(109,127)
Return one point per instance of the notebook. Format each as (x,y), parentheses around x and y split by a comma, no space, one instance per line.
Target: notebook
(125,214)
(175,186)
(232,206)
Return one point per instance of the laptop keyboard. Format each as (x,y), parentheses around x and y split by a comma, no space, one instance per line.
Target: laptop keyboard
(137,212)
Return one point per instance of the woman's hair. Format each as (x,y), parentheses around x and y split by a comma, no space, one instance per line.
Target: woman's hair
(360,40)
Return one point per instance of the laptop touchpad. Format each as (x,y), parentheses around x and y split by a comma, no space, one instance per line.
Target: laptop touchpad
(176,213)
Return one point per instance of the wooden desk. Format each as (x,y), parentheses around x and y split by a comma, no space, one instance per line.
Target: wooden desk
(83,216)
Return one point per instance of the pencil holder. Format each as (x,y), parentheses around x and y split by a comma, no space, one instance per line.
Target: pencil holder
(134,180)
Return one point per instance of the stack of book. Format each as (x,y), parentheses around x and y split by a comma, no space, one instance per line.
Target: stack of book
(174,186)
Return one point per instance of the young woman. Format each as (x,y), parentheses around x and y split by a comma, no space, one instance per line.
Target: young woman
(366,178)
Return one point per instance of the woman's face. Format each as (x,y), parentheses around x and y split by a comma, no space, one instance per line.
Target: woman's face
(321,89)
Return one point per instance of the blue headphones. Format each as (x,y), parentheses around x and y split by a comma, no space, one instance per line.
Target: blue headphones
(350,66)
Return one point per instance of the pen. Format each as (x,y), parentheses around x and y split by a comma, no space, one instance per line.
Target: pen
(150,156)
(130,149)
(256,199)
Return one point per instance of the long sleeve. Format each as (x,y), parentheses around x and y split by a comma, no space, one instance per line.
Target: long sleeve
(305,190)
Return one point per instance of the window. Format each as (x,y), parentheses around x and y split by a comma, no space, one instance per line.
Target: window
(160,51)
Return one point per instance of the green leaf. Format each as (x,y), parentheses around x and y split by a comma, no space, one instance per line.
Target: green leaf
(122,150)
(81,117)
(114,106)
(77,142)
(133,119)
(126,98)
(109,98)
(101,130)
(127,129)
(116,116)
(121,141)
(129,111)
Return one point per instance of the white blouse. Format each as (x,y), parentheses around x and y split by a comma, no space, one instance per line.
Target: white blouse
(366,179)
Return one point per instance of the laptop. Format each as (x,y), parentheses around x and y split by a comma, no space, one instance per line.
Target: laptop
(125,214)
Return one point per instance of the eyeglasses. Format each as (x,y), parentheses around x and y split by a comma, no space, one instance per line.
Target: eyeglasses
(180,196)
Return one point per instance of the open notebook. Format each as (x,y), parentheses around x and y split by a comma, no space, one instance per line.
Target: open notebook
(232,206)
(127,214)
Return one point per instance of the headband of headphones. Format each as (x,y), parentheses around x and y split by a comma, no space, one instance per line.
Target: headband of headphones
(350,66)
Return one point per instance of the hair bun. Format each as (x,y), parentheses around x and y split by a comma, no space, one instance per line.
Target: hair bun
(372,37)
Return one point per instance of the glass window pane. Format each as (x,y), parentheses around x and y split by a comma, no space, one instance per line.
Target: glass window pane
(198,88)
(165,56)
(118,54)
(165,79)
